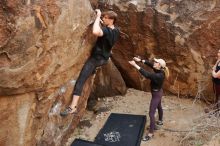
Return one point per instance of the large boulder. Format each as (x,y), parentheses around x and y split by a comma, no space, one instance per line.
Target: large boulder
(108,82)
(43,46)
(43,43)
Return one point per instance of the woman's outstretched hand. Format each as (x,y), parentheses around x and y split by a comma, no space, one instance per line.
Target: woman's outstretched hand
(132,62)
(138,59)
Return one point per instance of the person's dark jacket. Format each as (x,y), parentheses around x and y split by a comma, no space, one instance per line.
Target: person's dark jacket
(157,78)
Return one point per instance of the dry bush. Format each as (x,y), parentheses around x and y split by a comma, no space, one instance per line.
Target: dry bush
(206,127)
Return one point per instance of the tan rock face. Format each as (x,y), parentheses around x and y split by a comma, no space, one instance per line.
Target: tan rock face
(40,43)
(16,119)
(108,82)
(43,45)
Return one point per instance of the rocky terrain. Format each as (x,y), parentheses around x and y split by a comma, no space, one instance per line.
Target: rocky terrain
(185,123)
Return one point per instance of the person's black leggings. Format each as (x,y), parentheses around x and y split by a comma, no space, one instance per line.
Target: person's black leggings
(87,70)
(155,104)
(217,94)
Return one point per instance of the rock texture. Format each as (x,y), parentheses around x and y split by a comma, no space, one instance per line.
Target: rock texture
(35,37)
(43,46)
(108,82)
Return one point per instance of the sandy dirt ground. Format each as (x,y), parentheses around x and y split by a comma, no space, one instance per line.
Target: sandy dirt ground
(179,117)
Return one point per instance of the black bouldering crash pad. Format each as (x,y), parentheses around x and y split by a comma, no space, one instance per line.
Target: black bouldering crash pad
(122,130)
(80,142)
